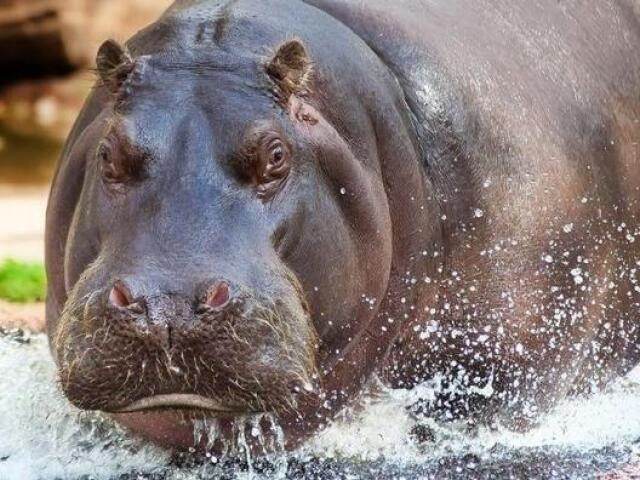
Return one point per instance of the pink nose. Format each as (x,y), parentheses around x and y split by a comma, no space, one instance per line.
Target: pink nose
(120,296)
(218,295)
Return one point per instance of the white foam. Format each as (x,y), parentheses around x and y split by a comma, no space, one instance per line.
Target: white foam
(43,437)
(382,428)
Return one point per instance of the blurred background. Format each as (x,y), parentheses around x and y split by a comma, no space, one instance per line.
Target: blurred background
(47,50)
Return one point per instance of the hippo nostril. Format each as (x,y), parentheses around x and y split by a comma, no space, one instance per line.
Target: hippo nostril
(218,295)
(120,296)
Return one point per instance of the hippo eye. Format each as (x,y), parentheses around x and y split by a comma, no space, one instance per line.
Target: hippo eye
(276,156)
(120,169)
(107,165)
(274,166)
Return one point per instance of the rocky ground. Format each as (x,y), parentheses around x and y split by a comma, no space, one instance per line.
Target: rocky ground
(49,105)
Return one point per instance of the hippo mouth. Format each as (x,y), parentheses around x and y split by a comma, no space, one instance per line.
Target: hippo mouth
(176,401)
(176,360)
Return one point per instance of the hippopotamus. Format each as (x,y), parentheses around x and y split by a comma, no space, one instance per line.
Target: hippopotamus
(265,207)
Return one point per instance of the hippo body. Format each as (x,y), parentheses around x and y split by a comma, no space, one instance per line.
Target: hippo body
(263,205)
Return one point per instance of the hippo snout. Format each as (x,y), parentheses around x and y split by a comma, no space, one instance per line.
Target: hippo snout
(223,348)
(217,297)
(159,317)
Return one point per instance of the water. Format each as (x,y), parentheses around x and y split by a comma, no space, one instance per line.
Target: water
(44,437)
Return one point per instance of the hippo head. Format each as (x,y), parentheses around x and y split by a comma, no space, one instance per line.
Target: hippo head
(229,238)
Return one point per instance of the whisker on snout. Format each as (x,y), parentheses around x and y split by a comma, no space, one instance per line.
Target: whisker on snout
(238,348)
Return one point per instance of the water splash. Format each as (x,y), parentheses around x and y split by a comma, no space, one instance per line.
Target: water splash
(611,417)
(44,437)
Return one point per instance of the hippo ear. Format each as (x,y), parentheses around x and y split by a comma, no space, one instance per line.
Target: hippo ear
(290,69)
(114,65)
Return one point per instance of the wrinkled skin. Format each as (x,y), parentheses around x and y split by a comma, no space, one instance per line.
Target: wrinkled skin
(263,204)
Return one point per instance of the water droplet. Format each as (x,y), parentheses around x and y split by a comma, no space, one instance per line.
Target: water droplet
(577,276)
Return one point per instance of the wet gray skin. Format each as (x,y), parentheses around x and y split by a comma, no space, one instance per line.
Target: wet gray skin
(262,204)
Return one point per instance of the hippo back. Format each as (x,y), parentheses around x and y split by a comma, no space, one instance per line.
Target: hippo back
(515,86)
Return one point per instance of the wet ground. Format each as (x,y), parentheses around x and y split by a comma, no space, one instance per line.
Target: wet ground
(521,464)
(43,437)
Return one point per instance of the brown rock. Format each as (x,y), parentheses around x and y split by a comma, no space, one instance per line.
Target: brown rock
(42,37)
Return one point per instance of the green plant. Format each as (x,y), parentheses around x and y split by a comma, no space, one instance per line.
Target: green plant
(22,282)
